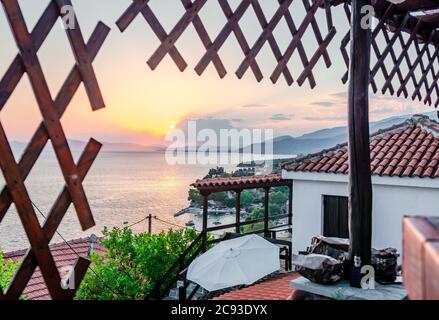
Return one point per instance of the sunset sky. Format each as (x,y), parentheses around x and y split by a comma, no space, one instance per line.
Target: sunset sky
(143,105)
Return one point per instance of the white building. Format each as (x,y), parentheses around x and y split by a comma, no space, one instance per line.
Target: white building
(405,168)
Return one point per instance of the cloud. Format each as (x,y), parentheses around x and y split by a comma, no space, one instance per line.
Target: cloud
(343,94)
(336,117)
(281,117)
(323,103)
(254,105)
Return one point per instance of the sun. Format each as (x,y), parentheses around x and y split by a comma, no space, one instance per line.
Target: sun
(171,126)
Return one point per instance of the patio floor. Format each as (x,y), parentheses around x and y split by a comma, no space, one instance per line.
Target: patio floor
(275,288)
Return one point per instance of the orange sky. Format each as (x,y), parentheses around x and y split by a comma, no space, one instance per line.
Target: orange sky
(143,105)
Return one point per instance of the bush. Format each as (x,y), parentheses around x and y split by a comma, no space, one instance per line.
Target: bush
(133,264)
(7,270)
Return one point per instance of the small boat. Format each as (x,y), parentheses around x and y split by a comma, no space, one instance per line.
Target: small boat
(217,223)
(190,223)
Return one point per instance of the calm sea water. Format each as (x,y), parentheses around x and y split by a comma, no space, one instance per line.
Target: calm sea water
(121,187)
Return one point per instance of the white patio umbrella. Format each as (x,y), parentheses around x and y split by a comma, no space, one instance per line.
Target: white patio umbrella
(240,261)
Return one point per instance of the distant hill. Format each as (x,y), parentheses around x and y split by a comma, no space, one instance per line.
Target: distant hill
(326,138)
(78,145)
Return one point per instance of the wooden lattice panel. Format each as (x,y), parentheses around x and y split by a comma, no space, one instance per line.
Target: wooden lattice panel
(231,27)
(15,191)
(420,69)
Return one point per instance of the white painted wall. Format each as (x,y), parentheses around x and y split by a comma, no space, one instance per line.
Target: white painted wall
(392,199)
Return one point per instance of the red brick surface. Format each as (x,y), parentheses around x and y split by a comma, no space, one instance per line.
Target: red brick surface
(418,232)
(432,270)
(408,149)
(276,288)
(64,256)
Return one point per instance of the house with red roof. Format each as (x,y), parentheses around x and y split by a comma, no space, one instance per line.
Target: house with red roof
(405,177)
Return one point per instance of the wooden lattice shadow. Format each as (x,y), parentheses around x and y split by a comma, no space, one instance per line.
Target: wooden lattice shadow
(212,47)
(15,191)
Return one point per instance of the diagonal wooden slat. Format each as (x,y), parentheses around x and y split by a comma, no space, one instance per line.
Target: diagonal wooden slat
(16,70)
(270,38)
(39,254)
(300,49)
(175,34)
(404,54)
(418,61)
(423,78)
(228,28)
(319,53)
(239,35)
(53,220)
(83,60)
(62,100)
(295,42)
(317,33)
(141,6)
(205,39)
(36,237)
(265,35)
(48,111)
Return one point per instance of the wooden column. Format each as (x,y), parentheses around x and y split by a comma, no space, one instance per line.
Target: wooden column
(360,184)
(238,211)
(267,210)
(290,204)
(205,219)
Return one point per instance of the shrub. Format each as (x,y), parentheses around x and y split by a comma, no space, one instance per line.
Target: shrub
(133,263)
(7,270)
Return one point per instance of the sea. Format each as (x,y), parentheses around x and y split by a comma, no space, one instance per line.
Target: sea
(122,189)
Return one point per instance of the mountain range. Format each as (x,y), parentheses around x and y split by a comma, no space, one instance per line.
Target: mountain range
(325,138)
(282,145)
(78,145)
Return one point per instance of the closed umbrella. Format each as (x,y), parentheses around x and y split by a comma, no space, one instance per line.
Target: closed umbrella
(240,261)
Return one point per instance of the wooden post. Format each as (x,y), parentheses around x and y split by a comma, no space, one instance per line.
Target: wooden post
(267,210)
(238,211)
(290,204)
(150,223)
(360,184)
(205,218)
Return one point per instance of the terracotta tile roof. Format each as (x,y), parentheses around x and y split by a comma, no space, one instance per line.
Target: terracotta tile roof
(408,149)
(238,181)
(36,288)
(275,288)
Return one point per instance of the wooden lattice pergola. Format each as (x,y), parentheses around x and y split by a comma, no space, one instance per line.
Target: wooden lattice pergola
(407,27)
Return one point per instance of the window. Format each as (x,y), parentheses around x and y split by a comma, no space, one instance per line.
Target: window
(335,217)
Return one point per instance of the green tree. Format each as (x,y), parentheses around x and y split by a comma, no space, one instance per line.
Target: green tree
(275,209)
(278,197)
(132,264)
(195,197)
(247,198)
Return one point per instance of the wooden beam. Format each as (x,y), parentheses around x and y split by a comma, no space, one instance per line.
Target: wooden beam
(360,182)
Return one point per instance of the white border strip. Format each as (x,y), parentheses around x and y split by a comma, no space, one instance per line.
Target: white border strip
(376,180)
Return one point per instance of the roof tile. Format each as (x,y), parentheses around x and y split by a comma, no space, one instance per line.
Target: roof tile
(406,149)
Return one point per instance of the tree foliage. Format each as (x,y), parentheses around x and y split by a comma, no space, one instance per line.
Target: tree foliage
(133,263)
(7,270)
